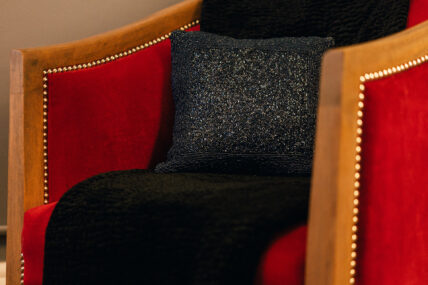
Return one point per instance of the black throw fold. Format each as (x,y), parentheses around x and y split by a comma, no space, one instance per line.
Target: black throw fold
(138,227)
(346,21)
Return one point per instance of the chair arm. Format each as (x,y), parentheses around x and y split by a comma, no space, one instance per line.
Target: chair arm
(332,206)
(28,67)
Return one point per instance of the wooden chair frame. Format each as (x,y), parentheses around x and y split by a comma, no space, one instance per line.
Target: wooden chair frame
(331,210)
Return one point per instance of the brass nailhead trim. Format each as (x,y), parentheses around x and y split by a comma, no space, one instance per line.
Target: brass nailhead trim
(358,141)
(83,66)
(22,269)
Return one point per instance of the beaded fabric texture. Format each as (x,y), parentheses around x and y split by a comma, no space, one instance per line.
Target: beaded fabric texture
(244,106)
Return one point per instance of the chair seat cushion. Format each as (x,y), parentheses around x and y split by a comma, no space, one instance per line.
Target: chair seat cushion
(138,227)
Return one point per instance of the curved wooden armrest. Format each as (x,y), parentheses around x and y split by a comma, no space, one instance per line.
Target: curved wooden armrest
(332,196)
(26,106)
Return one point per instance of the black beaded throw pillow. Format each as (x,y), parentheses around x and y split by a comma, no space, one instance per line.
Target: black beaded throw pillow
(347,21)
(244,106)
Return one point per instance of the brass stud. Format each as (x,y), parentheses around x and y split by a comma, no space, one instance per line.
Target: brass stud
(358,140)
(357,175)
(356,193)
(360,105)
(362,79)
(353,254)
(353,263)
(354,228)
(355,219)
(352,280)
(358,149)
(357,184)
(361,96)
(355,211)
(354,245)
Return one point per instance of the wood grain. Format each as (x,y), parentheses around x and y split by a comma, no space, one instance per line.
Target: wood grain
(330,222)
(26,116)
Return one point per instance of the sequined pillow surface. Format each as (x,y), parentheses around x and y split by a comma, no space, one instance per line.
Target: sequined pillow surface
(244,106)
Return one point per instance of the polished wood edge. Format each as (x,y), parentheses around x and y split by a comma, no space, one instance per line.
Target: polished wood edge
(323,211)
(27,68)
(332,216)
(16,177)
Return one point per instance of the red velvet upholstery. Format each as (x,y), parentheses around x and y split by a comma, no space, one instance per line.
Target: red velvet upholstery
(418,12)
(33,242)
(284,261)
(393,247)
(114,116)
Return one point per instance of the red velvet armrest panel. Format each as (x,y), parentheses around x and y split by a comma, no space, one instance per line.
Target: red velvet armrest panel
(113,116)
(393,227)
(33,242)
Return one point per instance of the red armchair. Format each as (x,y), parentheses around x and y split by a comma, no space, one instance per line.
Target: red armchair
(71,104)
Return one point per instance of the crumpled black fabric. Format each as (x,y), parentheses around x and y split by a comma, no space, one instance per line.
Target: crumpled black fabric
(347,21)
(138,227)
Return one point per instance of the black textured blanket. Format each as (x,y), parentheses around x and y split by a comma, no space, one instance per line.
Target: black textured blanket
(347,21)
(137,227)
